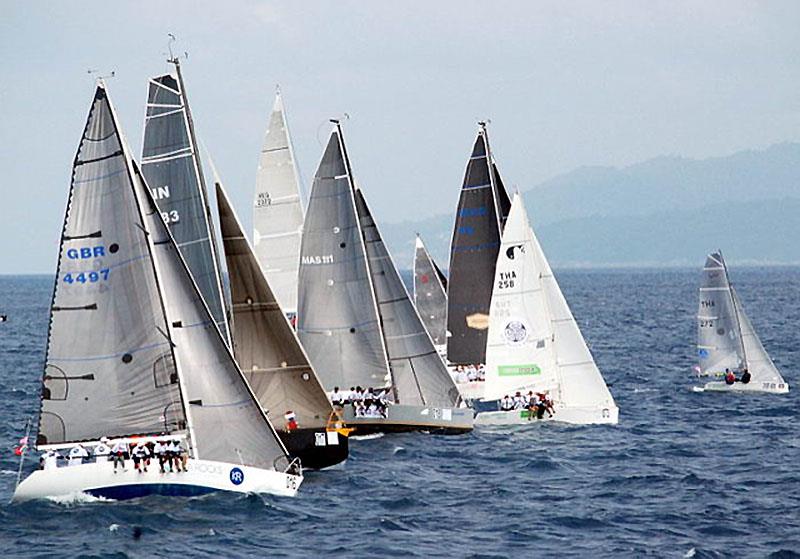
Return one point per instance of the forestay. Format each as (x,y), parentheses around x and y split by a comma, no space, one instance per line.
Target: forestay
(337,318)
(172,167)
(265,345)
(109,366)
(473,255)
(419,374)
(278,210)
(430,294)
(719,343)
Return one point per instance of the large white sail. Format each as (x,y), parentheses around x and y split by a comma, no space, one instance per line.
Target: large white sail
(759,363)
(278,210)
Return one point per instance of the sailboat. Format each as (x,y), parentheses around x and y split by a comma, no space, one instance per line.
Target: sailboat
(430,295)
(534,343)
(278,210)
(133,352)
(726,338)
(482,210)
(172,167)
(355,318)
(270,355)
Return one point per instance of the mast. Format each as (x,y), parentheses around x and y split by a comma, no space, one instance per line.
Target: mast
(226,331)
(735,307)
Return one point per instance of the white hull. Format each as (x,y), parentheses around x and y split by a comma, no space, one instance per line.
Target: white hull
(574,416)
(757,387)
(203,476)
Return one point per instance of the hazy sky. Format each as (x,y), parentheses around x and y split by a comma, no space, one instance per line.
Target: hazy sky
(565,84)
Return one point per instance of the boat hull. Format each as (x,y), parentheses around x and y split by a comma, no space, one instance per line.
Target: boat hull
(570,415)
(203,476)
(750,387)
(316,448)
(403,418)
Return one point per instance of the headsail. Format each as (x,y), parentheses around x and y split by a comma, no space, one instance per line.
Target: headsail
(473,255)
(430,294)
(719,342)
(337,316)
(759,363)
(278,210)
(173,169)
(110,369)
(265,345)
(418,372)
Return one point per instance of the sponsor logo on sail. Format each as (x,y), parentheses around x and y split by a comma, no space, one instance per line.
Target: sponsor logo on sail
(511,251)
(515,332)
(518,370)
(478,321)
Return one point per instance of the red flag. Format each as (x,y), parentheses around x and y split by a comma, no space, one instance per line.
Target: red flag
(23,445)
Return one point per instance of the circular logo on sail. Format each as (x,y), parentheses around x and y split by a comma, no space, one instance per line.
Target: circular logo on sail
(515,332)
(702,353)
(237,476)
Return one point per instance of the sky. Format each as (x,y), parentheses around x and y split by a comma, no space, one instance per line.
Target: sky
(564,83)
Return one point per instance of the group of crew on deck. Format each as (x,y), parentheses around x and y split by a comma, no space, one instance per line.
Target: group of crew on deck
(470,373)
(536,403)
(170,453)
(730,377)
(366,403)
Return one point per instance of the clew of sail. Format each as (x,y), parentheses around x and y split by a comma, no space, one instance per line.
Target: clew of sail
(430,294)
(265,345)
(278,210)
(337,319)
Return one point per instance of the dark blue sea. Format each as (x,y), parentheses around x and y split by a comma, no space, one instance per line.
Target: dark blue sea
(684,474)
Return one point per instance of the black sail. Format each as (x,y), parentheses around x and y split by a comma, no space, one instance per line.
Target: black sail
(171,166)
(482,209)
(430,294)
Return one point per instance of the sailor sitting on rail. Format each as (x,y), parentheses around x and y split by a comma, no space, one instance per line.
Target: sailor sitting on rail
(160,452)
(180,456)
(49,460)
(77,454)
(118,452)
(461,374)
(337,398)
(519,401)
(141,456)
(506,404)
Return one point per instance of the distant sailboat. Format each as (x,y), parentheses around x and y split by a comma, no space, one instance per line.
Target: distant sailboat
(726,339)
(482,211)
(355,318)
(430,295)
(271,357)
(173,169)
(534,343)
(278,210)
(133,353)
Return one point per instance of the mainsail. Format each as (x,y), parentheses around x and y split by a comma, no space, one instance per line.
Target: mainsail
(278,210)
(482,209)
(172,167)
(109,369)
(337,318)
(573,376)
(419,374)
(430,294)
(265,345)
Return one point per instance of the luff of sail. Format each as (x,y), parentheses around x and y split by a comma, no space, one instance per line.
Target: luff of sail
(172,167)
(418,373)
(473,255)
(337,320)
(278,210)
(430,294)
(719,343)
(109,366)
(265,345)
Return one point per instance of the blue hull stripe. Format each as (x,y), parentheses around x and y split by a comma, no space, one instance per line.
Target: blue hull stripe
(123,492)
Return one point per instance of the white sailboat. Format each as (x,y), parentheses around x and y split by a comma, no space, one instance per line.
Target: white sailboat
(134,354)
(278,210)
(534,343)
(726,339)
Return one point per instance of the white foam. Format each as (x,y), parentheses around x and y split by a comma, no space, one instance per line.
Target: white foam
(690,553)
(78,498)
(366,437)
(113,528)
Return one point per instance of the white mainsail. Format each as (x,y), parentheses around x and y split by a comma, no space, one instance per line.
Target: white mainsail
(535,337)
(278,210)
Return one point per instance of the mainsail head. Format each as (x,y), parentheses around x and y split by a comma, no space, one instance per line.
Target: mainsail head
(278,210)
(430,294)
(110,369)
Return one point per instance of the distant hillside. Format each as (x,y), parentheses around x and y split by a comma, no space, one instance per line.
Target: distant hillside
(665,211)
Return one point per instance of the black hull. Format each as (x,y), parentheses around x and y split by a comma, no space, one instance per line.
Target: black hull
(373,428)
(302,444)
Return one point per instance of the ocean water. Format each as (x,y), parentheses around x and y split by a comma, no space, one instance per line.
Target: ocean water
(684,474)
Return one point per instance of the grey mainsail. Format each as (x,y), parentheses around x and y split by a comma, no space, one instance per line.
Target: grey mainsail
(265,345)
(110,369)
(278,210)
(337,319)
(419,374)
(719,340)
(430,294)
(482,209)
(173,169)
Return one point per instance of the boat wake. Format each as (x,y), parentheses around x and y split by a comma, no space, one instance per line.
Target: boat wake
(366,437)
(78,498)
